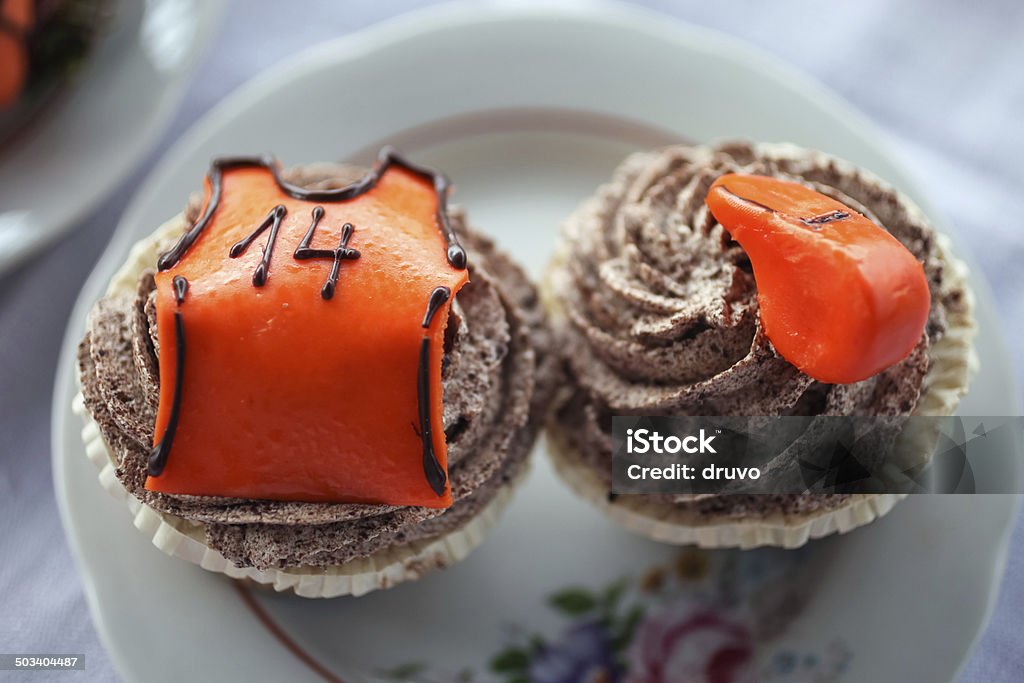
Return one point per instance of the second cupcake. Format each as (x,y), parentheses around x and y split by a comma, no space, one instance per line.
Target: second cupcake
(661,310)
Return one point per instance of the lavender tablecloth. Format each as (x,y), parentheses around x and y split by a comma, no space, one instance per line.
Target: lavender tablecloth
(945,79)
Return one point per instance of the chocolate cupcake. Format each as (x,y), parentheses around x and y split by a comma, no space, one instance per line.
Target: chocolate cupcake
(660,309)
(320,379)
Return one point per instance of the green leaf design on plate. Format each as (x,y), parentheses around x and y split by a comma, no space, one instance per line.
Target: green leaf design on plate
(511,660)
(404,672)
(574,601)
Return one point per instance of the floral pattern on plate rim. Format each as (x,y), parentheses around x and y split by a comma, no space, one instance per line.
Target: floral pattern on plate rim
(708,617)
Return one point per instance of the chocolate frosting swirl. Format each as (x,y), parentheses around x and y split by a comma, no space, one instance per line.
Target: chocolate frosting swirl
(657,308)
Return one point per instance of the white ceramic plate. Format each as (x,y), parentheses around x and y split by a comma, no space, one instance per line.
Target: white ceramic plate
(85,142)
(528,110)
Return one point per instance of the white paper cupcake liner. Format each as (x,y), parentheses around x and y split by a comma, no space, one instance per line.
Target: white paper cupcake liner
(187,540)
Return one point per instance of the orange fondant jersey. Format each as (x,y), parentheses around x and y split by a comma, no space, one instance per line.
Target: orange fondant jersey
(286,395)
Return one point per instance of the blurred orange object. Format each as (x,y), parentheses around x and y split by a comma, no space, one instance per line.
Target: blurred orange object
(17,17)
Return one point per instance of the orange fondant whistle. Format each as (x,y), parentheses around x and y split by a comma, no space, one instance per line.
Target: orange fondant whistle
(840,297)
(303,350)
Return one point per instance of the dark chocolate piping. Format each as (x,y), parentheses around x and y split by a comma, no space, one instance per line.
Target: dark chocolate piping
(813,221)
(304,251)
(437,299)
(273,221)
(436,476)
(829,217)
(388,157)
(318,213)
(158,455)
(180,289)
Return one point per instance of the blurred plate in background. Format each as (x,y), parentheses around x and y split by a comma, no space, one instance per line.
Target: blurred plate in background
(91,134)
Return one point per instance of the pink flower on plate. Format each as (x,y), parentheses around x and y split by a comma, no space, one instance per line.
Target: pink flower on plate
(690,643)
